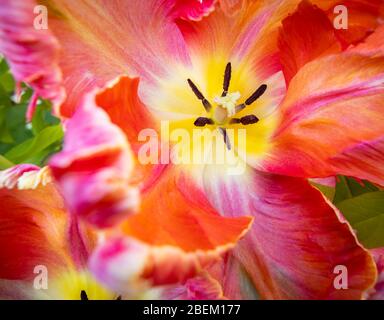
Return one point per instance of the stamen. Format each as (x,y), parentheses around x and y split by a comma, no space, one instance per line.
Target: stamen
(199,95)
(83,295)
(256,95)
(202,121)
(227,79)
(226,138)
(250,119)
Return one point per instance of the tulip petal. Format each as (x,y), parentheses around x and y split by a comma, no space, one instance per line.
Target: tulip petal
(305,35)
(33,54)
(373,45)
(363,17)
(33,224)
(183,217)
(332,120)
(93,170)
(202,287)
(378,293)
(245,31)
(109,39)
(120,100)
(175,233)
(297,238)
(193,9)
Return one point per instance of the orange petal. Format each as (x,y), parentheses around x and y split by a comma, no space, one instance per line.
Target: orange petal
(373,45)
(332,120)
(363,18)
(177,234)
(296,241)
(176,212)
(120,100)
(305,35)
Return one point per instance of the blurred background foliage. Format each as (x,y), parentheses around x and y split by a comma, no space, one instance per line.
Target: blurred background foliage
(361,202)
(21,142)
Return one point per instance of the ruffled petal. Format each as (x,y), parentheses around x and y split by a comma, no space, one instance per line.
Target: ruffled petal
(94,168)
(332,120)
(33,224)
(109,39)
(176,233)
(33,54)
(296,241)
(305,35)
(202,287)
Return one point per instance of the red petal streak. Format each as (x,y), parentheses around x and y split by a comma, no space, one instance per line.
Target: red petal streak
(296,241)
(94,167)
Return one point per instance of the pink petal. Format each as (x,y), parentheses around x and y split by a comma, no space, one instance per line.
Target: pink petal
(33,54)
(101,40)
(296,241)
(94,168)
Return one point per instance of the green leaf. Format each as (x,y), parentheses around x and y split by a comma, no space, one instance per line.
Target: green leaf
(329,192)
(365,213)
(5,163)
(7,82)
(32,147)
(347,188)
(43,117)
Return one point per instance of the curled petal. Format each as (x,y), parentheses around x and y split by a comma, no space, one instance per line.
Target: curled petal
(33,54)
(332,120)
(179,234)
(305,35)
(296,241)
(10,178)
(94,168)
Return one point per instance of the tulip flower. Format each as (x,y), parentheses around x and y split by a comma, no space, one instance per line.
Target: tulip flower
(308,96)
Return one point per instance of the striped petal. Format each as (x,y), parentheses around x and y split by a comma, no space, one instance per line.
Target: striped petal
(93,170)
(109,39)
(174,235)
(332,120)
(33,54)
(297,239)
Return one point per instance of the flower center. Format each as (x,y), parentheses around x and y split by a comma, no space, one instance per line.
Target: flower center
(226,106)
